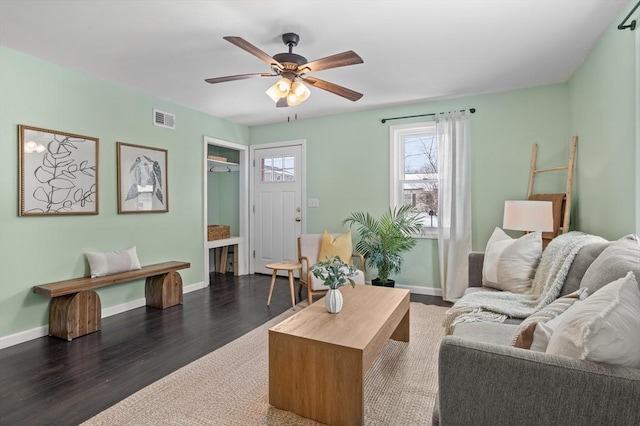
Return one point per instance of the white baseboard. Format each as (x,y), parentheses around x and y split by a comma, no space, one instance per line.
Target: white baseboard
(35,333)
(429,291)
(23,336)
(193,287)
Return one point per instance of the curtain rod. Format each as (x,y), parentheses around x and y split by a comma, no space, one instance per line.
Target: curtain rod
(632,25)
(384,120)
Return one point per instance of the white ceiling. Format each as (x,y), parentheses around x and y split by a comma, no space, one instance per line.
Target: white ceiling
(413,50)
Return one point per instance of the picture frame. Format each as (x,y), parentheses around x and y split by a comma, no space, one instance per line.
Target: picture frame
(58,172)
(143,184)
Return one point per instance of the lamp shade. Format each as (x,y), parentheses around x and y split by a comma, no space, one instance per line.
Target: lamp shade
(528,216)
(301,91)
(279,90)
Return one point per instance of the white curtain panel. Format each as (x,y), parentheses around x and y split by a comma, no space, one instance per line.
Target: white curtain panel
(454,202)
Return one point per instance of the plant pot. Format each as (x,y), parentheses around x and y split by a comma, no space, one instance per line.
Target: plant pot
(388,283)
(333,301)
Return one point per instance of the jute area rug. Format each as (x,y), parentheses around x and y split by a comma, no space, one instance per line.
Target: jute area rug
(230,385)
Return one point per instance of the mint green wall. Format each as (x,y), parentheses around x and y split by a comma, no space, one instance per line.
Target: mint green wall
(348,161)
(603,113)
(36,250)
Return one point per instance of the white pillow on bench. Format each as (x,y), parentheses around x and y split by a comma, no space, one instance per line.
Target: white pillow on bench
(112,262)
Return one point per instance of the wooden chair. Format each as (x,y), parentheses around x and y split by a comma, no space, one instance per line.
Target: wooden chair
(308,250)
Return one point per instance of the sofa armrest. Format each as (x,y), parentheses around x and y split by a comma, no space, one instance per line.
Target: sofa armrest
(481,383)
(476,260)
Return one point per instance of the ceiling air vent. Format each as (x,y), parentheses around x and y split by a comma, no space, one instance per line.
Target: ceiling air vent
(164,119)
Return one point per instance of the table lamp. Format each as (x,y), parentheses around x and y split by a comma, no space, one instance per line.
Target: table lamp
(528,216)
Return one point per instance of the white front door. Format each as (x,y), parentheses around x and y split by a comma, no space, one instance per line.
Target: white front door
(278,205)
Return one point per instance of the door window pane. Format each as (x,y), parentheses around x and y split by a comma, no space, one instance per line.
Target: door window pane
(277,169)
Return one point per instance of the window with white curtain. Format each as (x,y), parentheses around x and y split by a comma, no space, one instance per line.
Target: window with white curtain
(414,172)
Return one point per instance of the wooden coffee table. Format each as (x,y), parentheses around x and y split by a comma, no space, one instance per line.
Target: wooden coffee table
(317,360)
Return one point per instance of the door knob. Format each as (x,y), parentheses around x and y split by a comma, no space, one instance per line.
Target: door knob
(298,219)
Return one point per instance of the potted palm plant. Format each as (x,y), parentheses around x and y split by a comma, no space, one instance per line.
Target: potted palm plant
(383,240)
(334,273)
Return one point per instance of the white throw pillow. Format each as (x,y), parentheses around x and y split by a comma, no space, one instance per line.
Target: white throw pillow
(529,336)
(112,262)
(605,327)
(543,332)
(511,264)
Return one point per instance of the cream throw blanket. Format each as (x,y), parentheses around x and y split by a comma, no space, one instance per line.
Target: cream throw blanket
(547,283)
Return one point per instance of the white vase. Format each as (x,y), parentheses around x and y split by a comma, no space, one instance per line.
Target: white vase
(333,301)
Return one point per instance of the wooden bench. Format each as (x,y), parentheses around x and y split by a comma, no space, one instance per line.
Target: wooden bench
(75,309)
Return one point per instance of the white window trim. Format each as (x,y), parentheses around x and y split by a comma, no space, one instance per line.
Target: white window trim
(396,133)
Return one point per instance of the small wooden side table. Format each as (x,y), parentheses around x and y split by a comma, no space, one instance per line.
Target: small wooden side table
(284,266)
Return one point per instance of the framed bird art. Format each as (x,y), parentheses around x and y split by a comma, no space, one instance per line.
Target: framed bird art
(142,179)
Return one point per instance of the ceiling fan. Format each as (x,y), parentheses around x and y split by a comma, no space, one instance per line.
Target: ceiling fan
(291,89)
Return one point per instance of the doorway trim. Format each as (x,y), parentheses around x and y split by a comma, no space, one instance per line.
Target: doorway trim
(243,207)
(251,207)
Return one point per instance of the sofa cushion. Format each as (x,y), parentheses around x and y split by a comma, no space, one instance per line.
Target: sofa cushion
(523,336)
(616,260)
(487,332)
(470,290)
(604,327)
(510,264)
(581,263)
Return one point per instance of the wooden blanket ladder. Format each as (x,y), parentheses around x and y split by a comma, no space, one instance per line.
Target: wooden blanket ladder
(566,197)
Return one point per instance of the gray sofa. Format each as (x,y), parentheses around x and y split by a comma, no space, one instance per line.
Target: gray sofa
(485,381)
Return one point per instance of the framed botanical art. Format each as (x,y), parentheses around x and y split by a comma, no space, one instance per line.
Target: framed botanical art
(142,179)
(58,172)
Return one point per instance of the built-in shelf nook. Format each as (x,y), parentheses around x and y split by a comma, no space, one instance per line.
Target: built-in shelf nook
(225,204)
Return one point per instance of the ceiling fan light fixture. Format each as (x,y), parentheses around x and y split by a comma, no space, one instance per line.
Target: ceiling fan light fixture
(292,99)
(290,68)
(301,91)
(279,90)
(283,85)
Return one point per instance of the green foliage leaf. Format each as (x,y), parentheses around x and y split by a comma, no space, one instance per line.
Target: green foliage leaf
(333,272)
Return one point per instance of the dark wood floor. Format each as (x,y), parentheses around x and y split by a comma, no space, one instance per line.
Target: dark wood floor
(51,381)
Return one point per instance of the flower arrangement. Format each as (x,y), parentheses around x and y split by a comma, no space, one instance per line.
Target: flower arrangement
(334,272)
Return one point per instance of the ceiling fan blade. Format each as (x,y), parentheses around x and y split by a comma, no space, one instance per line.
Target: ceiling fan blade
(237,77)
(245,45)
(334,61)
(333,88)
